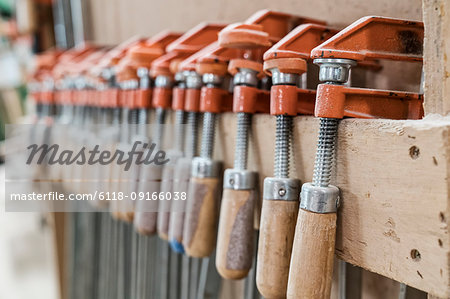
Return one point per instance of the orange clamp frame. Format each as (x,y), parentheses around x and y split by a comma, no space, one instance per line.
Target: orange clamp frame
(259,32)
(183,47)
(289,56)
(214,60)
(375,38)
(215,100)
(273,24)
(239,40)
(188,99)
(111,97)
(367,39)
(139,55)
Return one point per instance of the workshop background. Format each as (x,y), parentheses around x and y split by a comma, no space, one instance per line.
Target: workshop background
(31,249)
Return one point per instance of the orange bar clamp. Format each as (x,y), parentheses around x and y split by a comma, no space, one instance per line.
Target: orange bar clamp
(251,39)
(367,39)
(166,66)
(163,70)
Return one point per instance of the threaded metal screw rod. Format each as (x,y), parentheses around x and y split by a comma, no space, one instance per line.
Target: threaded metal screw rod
(241,147)
(134,117)
(209,128)
(192,138)
(142,121)
(124,132)
(325,151)
(282,146)
(158,130)
(116,116)
(180,121)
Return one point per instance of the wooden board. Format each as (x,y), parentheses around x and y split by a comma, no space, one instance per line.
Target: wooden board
(437,53)
(115,20)
(395,192)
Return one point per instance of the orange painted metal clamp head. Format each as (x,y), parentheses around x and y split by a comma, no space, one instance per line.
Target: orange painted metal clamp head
(255,35)
(188,98)
(213,62)
(141,56)
(166,66)
(367,39)
(183,47)
(374,37)
(286,60)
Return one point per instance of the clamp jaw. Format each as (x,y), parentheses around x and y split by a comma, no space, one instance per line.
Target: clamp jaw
(286,61)
(133,70)
(250,40)
(365,40)
(164,68)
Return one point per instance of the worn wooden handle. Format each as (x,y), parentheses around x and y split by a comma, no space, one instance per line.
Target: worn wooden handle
(234,252)
(311,269)
(146,210)
(114,187)
(164,205)
(200,225)
(182,174)
(277,228)
(130,185)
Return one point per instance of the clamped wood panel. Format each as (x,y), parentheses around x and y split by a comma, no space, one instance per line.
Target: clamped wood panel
(367,39)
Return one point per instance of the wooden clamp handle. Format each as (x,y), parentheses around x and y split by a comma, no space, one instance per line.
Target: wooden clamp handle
(311,268)
(116,185)
(182,174)
(200,226)
(277,230)
(146,211)
(164,205)
(234,253)
(130,184)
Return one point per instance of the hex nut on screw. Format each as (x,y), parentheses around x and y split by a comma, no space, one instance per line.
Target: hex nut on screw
(334,70)
(281,189)
(319,199)
(205,168)
(237,179)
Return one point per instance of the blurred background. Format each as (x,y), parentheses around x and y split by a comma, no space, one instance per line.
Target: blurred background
(29,265)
